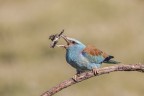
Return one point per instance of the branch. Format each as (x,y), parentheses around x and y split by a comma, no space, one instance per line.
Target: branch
(89,74)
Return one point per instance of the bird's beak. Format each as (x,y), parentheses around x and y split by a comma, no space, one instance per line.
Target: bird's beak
(67,41)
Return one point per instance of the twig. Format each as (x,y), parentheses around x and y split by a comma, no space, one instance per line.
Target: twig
(89,74)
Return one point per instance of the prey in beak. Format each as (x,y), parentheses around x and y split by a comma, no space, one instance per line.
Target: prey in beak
(55,38)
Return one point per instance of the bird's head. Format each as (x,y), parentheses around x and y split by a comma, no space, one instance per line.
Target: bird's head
(72,43)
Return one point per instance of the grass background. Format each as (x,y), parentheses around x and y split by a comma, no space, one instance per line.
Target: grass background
(28,67)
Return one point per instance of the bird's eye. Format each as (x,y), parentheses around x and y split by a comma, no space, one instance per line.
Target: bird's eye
(73,42)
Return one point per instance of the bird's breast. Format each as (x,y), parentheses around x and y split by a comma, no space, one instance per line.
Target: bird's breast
(72,57)
(76,60)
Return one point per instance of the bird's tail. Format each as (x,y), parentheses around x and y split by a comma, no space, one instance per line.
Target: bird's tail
(109,61)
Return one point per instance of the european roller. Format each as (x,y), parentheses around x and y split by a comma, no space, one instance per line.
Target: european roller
(84,58)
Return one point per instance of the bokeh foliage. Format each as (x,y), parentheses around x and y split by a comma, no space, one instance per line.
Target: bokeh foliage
(28,66)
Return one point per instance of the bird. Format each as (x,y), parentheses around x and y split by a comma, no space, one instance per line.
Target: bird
(84,58)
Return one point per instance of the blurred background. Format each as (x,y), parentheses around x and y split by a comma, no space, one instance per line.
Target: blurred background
(28,67)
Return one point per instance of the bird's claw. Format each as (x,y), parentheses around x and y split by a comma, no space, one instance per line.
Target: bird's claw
(95,71)
(75,77)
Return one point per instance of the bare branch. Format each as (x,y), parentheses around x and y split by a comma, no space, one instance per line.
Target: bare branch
(89,74)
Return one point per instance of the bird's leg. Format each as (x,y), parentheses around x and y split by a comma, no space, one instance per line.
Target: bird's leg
(95,71)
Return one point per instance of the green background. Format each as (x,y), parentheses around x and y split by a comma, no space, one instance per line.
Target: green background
(28,67)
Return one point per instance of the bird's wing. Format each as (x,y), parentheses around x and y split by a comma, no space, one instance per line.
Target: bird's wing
(94,55)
